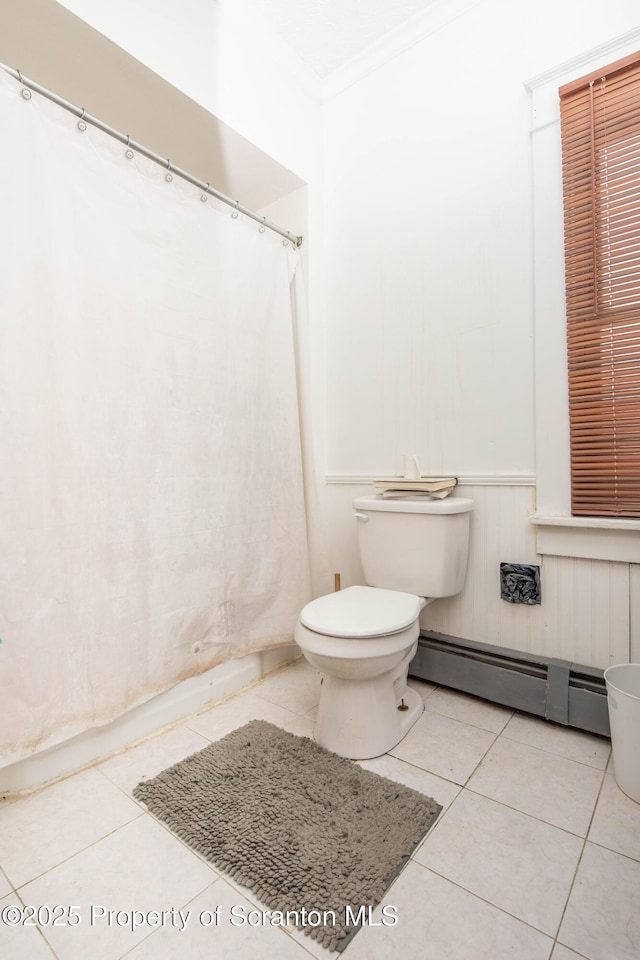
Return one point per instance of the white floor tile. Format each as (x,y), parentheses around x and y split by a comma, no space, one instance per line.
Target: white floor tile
(43,829)
(602,921)
(225,935)
(422,687)
(296,688)
(5,886)
(225,717)
(504,871)
(442,791)
(616,823)
(20,942)
(460,706)
(437,919)
(445,747)
(151,757)
(550,788)
(300,726)
(563,953)
(141,867)
(519,864)
(562,741)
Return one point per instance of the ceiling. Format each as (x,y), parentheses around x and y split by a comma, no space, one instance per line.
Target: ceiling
(325,34)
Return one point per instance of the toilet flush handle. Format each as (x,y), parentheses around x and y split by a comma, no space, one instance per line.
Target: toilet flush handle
(361,516)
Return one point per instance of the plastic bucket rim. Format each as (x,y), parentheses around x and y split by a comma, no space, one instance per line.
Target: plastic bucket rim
(614,686)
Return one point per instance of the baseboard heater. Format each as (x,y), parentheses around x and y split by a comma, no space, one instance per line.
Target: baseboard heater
(560,691)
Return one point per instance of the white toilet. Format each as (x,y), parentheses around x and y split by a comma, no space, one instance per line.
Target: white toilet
(362,639)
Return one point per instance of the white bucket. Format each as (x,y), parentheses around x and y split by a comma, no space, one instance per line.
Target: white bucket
(623,699)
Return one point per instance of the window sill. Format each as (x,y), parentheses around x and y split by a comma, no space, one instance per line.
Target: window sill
(593,538)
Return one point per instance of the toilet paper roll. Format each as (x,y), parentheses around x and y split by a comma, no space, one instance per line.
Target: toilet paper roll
(411,467)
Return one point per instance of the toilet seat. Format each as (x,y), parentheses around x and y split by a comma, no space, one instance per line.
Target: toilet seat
(362,612)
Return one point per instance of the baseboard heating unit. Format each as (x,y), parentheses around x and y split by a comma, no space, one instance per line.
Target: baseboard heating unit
(560,691)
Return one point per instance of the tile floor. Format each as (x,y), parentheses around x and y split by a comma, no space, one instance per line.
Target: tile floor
(536,854)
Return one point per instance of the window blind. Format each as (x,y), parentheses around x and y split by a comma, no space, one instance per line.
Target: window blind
(600,130)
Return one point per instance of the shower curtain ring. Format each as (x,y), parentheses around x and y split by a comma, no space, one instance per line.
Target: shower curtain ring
(204,195)
(81,124)
(26,93)
(168,177)
(129,152)
(235,212)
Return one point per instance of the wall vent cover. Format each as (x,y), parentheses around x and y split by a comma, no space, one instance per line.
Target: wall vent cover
(520,583)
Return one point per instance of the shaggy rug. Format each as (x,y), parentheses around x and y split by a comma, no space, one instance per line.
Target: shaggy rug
(317,838)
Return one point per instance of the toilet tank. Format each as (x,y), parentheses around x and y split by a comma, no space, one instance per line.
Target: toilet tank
(416,545)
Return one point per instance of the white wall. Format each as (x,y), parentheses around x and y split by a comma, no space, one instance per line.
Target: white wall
(430,307)
(420,265)
(429,240)
(220,53)
(59,50)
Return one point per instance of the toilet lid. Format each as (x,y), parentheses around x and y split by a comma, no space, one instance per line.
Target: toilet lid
(361,612)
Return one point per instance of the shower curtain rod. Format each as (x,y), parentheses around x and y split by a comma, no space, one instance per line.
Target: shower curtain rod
(84,117)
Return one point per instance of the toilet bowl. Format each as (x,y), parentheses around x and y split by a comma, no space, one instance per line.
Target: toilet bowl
(363,639)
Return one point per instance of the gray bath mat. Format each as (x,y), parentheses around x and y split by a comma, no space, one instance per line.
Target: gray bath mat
(315,837)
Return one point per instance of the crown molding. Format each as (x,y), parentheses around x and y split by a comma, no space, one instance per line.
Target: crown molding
(413,31)
(599,54)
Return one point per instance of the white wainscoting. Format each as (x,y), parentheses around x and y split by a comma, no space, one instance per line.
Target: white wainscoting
(586,615)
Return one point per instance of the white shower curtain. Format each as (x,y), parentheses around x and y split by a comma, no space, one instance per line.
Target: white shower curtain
(152,517)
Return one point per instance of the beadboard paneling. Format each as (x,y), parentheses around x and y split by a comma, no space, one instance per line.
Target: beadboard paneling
(584,616)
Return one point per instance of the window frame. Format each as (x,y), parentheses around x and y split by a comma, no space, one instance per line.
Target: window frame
(558,531)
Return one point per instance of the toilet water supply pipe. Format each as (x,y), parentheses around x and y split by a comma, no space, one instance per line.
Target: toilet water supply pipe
(132,145)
